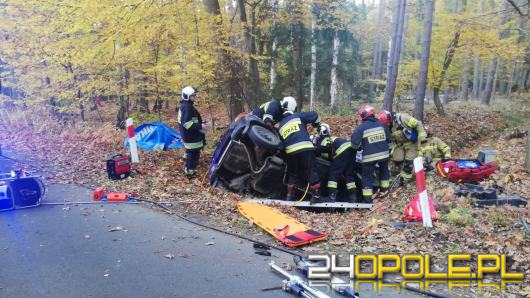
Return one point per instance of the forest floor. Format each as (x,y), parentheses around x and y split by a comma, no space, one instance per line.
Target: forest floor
(77,154)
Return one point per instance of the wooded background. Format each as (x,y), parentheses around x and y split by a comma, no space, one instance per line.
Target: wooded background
(325,53)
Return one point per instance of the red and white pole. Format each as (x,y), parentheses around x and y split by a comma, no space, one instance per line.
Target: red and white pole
(132,141)
(421,189)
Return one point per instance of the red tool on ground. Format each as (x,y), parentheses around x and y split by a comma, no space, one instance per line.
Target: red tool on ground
(111,196)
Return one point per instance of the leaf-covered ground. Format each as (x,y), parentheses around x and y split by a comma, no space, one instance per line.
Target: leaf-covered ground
(77,155)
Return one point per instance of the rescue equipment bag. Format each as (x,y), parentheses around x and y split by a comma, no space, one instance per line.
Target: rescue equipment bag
(465,170)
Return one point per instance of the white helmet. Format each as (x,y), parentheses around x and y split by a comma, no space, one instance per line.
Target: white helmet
(324,129)
(288,104)
(187,92)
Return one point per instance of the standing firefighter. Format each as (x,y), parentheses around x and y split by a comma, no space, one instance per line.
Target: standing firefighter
(270,112)
(407,133)
(300,152)
(190,125)
(342,157)
(373,138)
(433,149)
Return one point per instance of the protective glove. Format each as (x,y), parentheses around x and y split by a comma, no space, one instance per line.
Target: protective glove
(269,123)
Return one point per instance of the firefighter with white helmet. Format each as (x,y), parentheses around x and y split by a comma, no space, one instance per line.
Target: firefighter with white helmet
(190,126)
(342,157)
(299,150)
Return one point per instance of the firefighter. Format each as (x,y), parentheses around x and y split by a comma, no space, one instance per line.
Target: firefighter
(433,149)
(407,134)
(342,157)
(373,138)
(270,112)
(299,150)
(190,125)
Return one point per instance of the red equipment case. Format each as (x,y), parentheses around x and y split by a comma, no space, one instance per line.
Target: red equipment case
(119,167)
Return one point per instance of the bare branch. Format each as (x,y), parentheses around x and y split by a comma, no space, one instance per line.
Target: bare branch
(518,9)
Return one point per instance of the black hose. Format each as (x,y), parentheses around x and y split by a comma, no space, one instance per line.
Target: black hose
(302,256)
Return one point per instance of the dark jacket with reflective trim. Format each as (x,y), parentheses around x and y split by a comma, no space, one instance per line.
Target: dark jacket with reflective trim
(190,125)
(331,147)
(373,138)
(269,110)
(293,131)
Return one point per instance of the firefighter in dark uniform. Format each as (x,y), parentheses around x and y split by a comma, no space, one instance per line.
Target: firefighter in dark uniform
(373,138)
(270,112)
(190,126)
(342,157)
(299,150)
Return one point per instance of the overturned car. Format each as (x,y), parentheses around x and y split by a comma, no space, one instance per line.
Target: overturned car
(249,158)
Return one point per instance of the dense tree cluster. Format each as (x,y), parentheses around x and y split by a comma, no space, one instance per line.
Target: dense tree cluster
(242,52)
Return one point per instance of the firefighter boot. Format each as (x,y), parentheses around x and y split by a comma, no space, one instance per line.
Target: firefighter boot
(352,195)
(315,194)
(291,192)
(332,198)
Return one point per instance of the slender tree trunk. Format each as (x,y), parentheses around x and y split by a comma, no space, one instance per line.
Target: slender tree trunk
(424,62)
(476,81)
(298,41)
(481,79)
(273,73)
(404,35)
(376,66)
(229,71)
(465,82)
(510,81)
(252,85)
(449,54)
(486,97)
(392,41)
(392,80)
(333,88)
(313,57)
(446,97)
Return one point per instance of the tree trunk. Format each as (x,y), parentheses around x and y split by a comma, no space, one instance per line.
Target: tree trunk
(252,85)
(476,81)
(392,41)
(392,80)
(313,56)
(333,88)
(486,97)
(424,62)
(404,35)
(510,81)
(449,54)
(446,97)
(273,73)
(229,70)
(376,65)
(465,82)
(298,32)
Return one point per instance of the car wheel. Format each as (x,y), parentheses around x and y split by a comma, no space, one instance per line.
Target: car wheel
(263,137)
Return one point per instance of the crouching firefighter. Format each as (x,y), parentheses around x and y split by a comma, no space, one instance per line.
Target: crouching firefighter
(373,138)
(299,151)
(433,149)
(342,157)
(190,125)
(407,133)
(270,112)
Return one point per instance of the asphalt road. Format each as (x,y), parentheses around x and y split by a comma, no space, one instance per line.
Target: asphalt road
(70,251)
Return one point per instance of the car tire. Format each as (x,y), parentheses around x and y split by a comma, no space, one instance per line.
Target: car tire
(264,137)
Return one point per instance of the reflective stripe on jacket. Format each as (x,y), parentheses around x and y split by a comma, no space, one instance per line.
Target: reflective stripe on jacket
(270,110)
(331,147)
(435,149)
(293,131)
(373,138)
(406,121)
(190,125)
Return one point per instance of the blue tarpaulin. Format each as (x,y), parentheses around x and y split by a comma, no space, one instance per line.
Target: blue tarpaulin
(156,136)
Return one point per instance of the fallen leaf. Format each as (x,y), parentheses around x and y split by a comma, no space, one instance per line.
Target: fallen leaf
(169,256)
